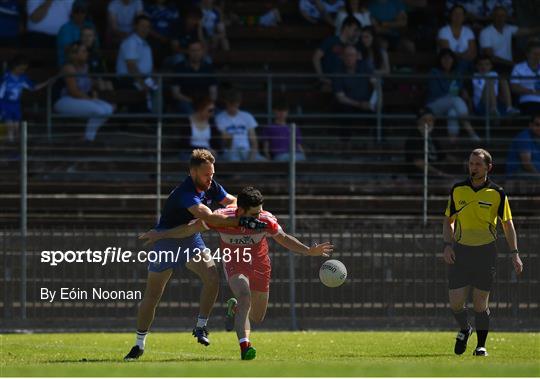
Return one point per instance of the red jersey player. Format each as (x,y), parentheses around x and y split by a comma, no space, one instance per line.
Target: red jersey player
(244,253)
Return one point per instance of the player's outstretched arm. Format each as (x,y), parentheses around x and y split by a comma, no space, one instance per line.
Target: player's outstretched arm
(291,243)
(181,231)
(204,213)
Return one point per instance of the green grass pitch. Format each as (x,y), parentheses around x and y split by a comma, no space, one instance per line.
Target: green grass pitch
(312,353)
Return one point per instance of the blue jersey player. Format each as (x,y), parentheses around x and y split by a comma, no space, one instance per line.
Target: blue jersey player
(12,84)
(188,201)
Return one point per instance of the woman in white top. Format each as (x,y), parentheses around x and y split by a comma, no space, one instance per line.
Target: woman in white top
(458,38)
(358,9)
(201,133)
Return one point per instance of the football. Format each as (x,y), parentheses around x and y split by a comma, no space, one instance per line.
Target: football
(333,273)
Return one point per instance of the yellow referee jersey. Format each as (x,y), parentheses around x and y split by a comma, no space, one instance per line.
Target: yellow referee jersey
(476,211)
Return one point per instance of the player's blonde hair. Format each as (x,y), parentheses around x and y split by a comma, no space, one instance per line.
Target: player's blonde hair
(200,156)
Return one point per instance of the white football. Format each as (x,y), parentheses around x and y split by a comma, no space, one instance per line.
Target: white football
(333,273)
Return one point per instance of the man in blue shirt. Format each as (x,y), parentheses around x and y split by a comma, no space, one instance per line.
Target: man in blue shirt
(188,201)
(71,31)
(524,155)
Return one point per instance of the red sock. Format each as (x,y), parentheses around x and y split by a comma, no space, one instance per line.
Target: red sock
(244,345)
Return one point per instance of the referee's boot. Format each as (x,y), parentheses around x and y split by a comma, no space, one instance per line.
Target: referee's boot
(134,353)
(229,316)
(461,340)
(480,351)
(201,333)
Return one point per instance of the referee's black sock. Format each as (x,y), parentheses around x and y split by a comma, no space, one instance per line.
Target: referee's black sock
(462,319)
(482,326)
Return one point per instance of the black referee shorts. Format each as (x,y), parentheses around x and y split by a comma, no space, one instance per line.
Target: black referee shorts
(474,266)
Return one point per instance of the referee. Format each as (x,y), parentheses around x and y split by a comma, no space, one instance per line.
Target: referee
(469,232)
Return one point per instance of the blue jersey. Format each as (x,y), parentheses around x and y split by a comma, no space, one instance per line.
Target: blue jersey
(175,211)
(11,87)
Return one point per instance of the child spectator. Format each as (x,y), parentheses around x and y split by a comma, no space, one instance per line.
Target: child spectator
(13,82)
(356,8)
(372,51)
(490,95)
(315,11)
(10,23)
(79,97)
(446,96)
(525,80)
(164,16)
(238,130)
(277,136)
(414,148)
(213,26)
(458,38)
(71,31)
(121,16)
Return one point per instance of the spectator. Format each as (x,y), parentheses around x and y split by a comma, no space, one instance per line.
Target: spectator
(71,31)
(45,18)
(164,16)
(479,10)
(186,88)
(238,130)
(78,97)
(390,20)
(524,154)
(12,84)
(202,135)
(356,8)
(213,26)
(490,95)
(355,94)
(446,96)
(496,39)
(277,136)
(315,11)
(414,148)
(458,38)
(528,89)
(372,51)
(96,62)
(190,30)
(10,23)
(135,58)
(327,58)
(121,16)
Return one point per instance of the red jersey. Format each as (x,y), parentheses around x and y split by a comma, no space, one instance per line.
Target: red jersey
(238,237)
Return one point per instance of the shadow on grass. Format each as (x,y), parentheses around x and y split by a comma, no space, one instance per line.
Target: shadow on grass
(419,355)
(154,360)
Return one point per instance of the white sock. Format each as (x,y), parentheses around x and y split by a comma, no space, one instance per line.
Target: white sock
(141,339)
(201,321)
(245,339)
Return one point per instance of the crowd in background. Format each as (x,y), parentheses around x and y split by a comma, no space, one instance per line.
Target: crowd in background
(478,40)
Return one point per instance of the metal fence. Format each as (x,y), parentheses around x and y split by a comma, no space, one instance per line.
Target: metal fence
(393,258)
(395,272)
